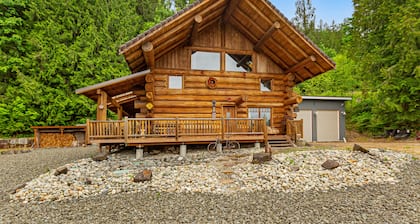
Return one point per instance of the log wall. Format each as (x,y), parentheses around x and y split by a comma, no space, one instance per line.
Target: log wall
(239,89)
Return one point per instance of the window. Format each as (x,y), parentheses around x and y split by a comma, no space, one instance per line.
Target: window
(201,60)
(265,85)
(238,63)
(260,113)
(175,82)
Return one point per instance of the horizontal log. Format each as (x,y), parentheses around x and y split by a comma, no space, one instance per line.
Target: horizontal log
(219,85)
(186,110)
(161,115)
(294,100)
(181,97)
(149,87)
(139,104)
(161,71)
(149,96)
(149,78)
(206,92)
(139,92)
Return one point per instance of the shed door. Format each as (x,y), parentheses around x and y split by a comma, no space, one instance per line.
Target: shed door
(327,125)
(306,115)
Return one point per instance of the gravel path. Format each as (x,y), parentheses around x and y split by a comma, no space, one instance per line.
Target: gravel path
(374,203)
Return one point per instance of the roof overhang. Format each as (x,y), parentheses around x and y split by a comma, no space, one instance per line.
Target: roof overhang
(119,87)
(330,98)
(258,20)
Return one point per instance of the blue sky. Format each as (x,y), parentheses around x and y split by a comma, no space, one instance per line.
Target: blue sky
(327,10)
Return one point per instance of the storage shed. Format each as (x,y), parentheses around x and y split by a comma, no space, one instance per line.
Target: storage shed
(323,118)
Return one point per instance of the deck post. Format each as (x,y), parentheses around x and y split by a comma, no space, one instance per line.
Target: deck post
(87,134)
(257,145)
(126,129)
(219,148)
(176,128)
(183,150)
(139,152)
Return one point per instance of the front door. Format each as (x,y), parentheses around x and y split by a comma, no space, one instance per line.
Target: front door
(229,112)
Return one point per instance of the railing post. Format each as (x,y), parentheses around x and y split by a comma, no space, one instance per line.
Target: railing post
(267,149)
(176,128)
(223,127)
(87,134)
(126,129)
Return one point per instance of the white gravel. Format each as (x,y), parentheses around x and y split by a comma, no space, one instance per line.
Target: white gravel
(379,187)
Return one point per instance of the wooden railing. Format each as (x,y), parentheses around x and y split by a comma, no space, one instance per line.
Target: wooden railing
(294,129)
(136,129)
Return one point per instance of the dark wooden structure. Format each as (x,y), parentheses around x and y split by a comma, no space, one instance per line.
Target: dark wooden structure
(214,63)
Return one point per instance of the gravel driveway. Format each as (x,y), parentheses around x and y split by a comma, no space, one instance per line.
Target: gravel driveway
(384,203)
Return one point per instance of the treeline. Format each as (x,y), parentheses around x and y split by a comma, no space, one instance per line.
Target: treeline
(50,48)
(377,53)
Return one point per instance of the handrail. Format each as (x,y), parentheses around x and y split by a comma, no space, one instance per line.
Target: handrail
(134,128)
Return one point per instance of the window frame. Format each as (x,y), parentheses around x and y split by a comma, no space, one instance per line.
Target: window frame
(271,85)
(259,109)
(169,81)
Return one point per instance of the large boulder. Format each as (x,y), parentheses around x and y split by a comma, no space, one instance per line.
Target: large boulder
(359,148)
(145,175)
(330,164)
(262,157)
(61,170)
(100,156)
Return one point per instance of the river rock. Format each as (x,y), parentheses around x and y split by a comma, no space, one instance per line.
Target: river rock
(145,175)
(359,148)
(330,164)
(258,158)
(100,157)
(61,170)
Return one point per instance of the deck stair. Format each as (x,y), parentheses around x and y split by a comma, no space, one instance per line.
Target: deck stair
(280,141)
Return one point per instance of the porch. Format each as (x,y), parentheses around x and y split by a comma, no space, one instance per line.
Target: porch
(164,131)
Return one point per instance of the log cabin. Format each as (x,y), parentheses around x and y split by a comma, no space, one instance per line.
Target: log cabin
(217,70)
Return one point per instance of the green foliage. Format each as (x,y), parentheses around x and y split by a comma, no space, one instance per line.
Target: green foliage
(386,45)
(50,48)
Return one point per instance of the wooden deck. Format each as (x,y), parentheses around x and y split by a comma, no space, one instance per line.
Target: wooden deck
(161,131)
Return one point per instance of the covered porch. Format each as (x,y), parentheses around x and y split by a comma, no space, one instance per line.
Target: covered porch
(165,131)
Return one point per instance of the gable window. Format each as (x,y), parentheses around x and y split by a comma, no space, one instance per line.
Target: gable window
(265,85)
(238,63)
(260,113)
(175,82)
(201,60)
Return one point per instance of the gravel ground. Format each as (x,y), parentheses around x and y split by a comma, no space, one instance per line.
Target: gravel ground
(385,203)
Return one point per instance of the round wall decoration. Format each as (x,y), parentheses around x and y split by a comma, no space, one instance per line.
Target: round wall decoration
(211,83)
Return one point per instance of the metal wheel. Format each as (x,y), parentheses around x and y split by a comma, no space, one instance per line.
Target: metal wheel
(212,147)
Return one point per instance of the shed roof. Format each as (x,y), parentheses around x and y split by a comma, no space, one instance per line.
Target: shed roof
(258,20)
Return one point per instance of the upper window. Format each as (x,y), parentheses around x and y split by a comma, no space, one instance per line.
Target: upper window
(201,60)
(265,85)
(238,63)
(175,82)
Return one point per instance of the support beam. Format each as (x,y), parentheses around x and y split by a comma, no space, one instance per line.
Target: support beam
(301,64)
(194,32)
(268,34)
(233,4)
(149,54)
(101,106)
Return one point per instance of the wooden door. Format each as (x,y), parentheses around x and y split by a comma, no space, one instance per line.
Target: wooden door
(229,112)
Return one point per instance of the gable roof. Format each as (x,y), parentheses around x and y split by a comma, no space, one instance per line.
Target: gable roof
(258,20)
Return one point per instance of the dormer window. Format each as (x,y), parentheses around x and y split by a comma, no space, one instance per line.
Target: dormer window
(201,60)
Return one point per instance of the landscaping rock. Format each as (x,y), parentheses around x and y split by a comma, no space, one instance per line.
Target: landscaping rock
(359,148)
(262,157)
(61,170)
(100,157)
(330,164)
(17,188)
(145,175)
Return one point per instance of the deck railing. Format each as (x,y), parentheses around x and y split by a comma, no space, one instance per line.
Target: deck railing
(136,129)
